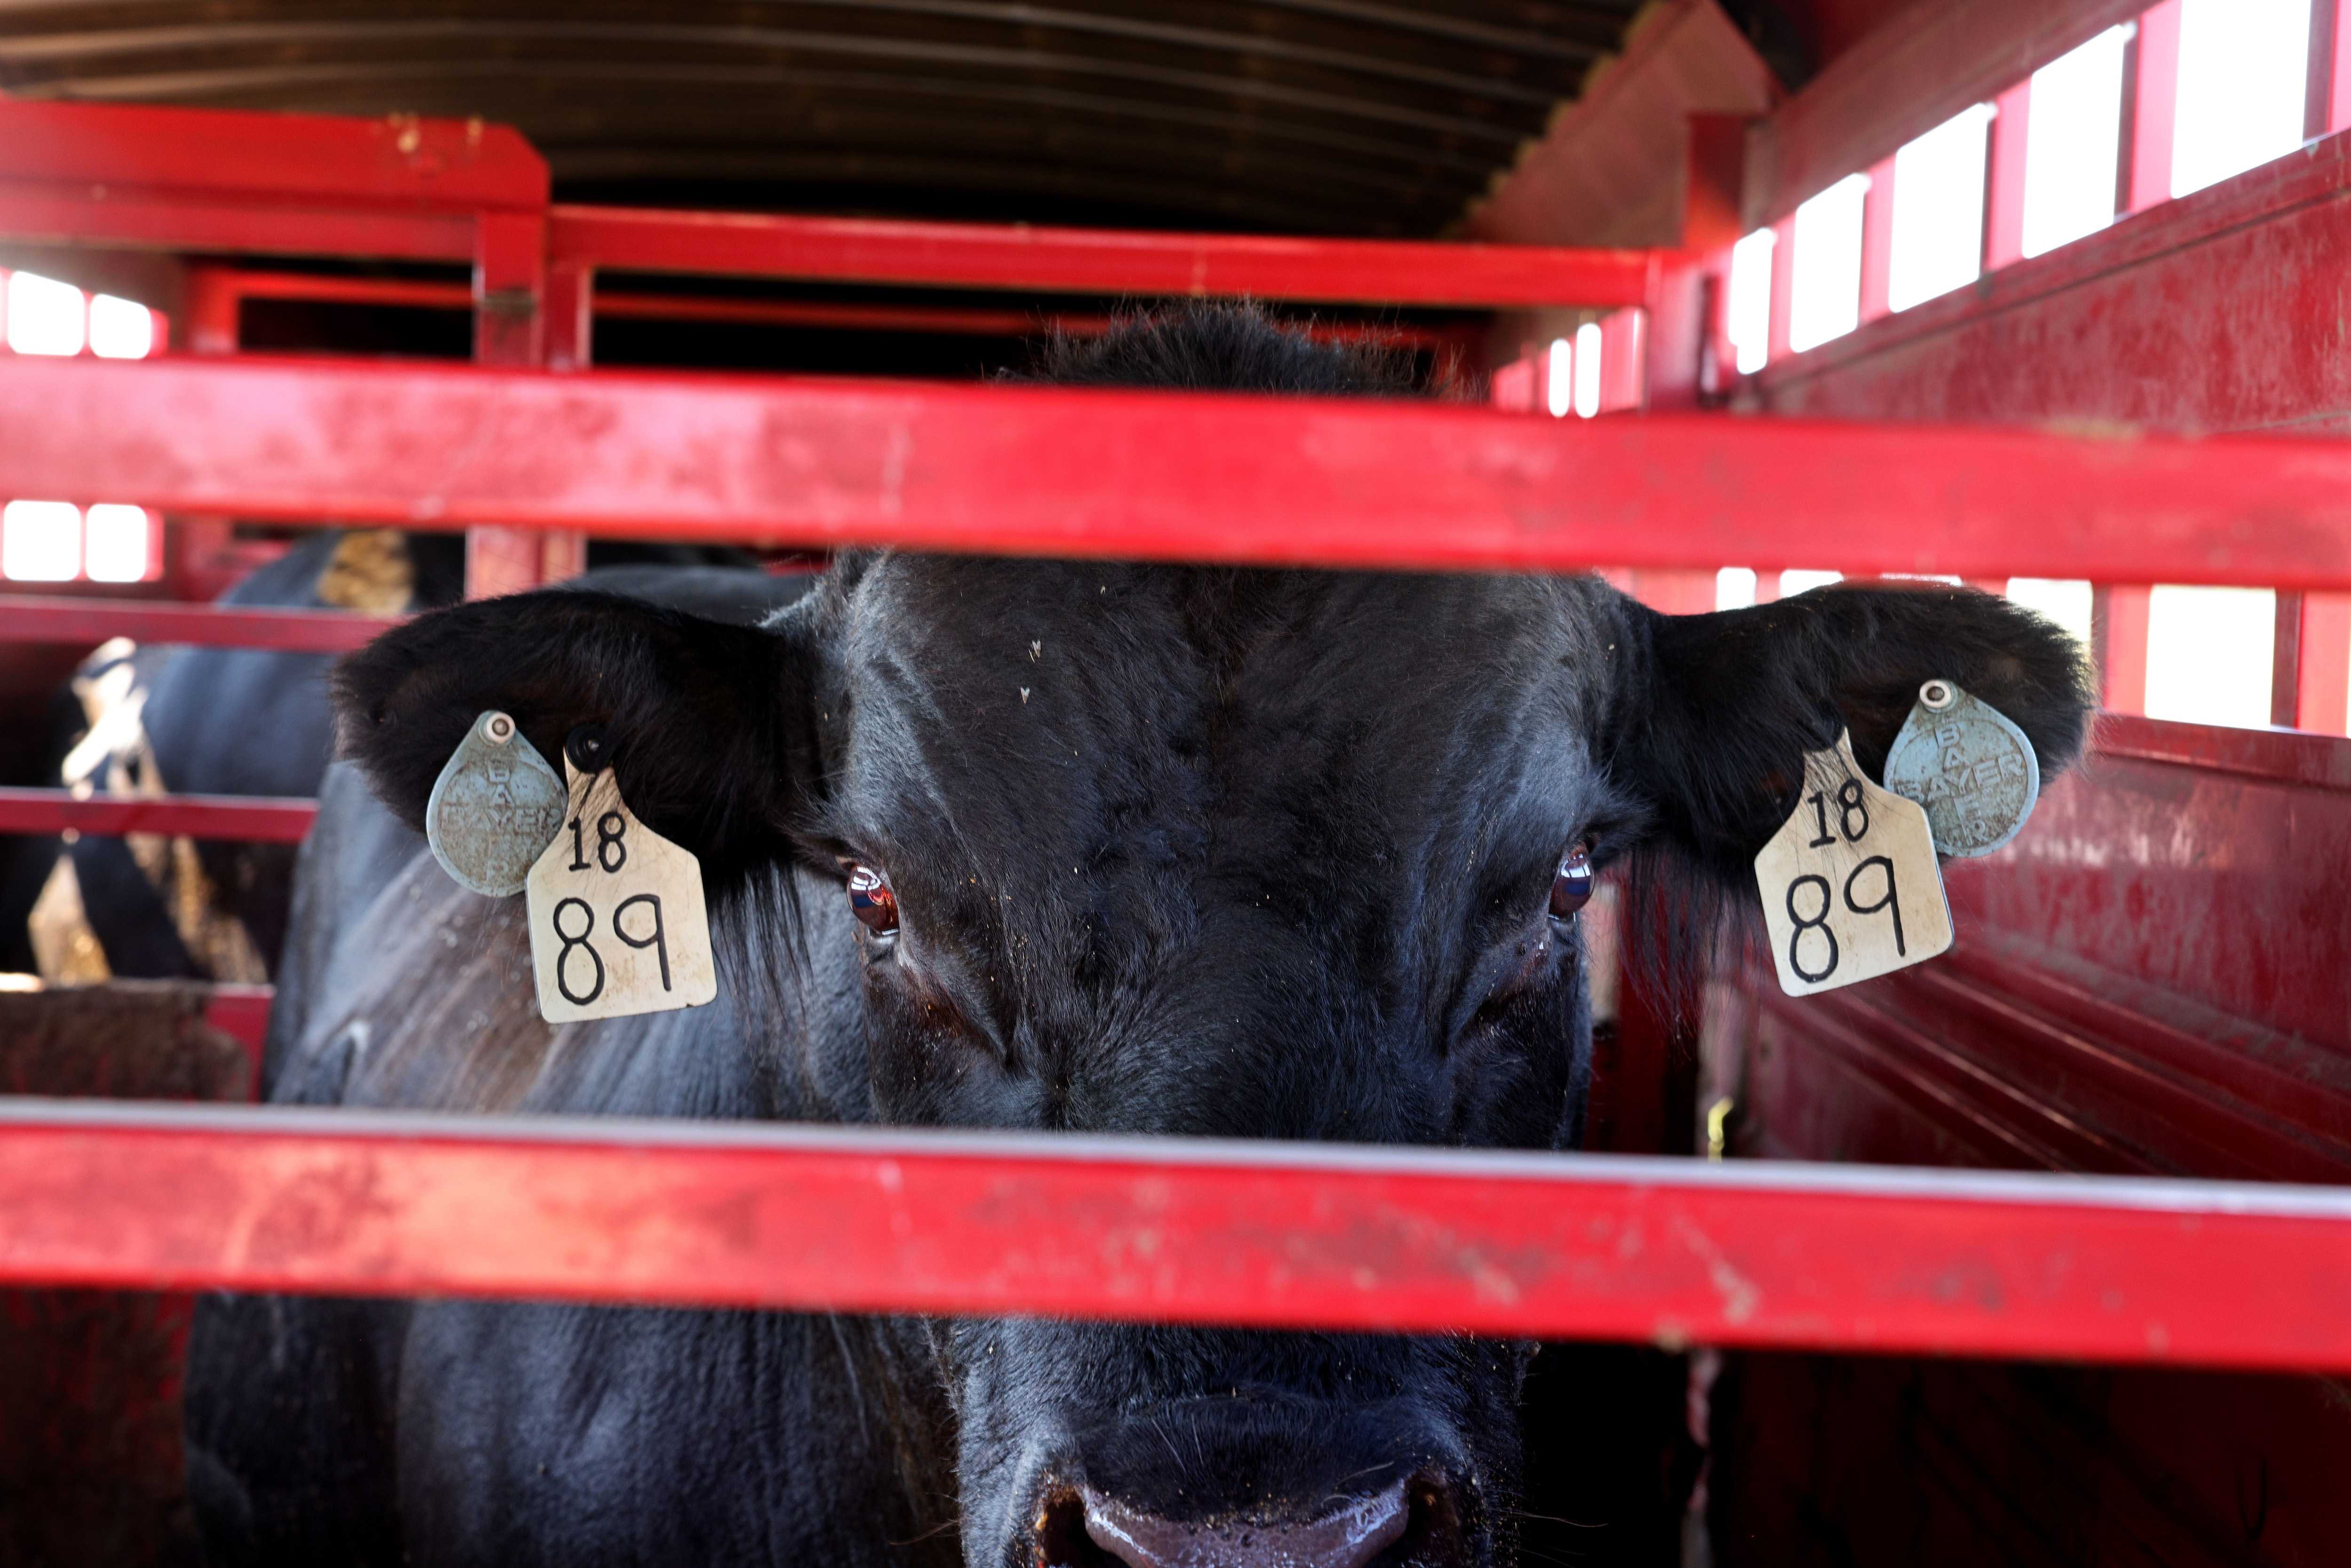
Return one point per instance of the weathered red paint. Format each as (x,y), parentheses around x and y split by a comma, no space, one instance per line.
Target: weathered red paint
(1059,472)
(1097,261)
(254,818)
(1174,1231)
(27,618)
(2214,312)
(210,180)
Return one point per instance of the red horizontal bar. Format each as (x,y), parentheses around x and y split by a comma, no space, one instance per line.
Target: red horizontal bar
(393,161)
(1051,471)
(29,619)
(245,819)
(1300,1236)
(166,220)
(1098,261)
(816,313)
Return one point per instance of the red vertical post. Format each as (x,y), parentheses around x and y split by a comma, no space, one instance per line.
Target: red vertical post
(1674,592)
(2323,640)
(2153,88)
(2118,617)
(1513,388)
(509,329)
(2321,105)
(1878,242)
(2004,176)
(1688,358)
(1783,288)
(2338,83)
(1621,335)
(209,301)
(569,314)
(195,549)
(2322,673)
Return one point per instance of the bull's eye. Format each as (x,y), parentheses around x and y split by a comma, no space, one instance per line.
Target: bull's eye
(1571,888)
(875,906)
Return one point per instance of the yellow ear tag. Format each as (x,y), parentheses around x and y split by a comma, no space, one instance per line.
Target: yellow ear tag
(617,920)
(1850,883)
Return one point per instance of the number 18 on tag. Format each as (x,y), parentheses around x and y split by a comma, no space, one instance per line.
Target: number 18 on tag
(1850,883)
(617,921)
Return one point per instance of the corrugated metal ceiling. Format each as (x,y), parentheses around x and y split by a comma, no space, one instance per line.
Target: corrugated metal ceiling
(1371,117)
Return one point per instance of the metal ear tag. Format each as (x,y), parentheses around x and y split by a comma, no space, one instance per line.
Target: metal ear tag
(1969,765)
(495,808)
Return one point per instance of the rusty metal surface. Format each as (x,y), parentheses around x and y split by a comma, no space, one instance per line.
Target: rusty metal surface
(90,1380)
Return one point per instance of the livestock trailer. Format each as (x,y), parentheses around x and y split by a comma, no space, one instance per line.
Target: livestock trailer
(2038,1252)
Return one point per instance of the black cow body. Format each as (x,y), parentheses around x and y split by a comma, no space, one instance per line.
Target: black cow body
(1177,850)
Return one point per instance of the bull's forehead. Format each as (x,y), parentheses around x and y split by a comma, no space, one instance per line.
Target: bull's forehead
(1016,723)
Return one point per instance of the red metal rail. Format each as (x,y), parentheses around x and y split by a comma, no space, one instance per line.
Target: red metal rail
(1096,261)
(1057,472)
(208,180)
(42,618)
(255,818)
(236,284)
(1164,1230)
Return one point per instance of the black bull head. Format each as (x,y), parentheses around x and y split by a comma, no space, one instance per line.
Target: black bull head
(1119,848)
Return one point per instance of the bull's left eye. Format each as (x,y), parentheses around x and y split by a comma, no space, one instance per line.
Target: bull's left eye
(1570,889)
(876,907)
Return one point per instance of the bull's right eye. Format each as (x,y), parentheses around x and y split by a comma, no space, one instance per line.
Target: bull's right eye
(1570,887)
(870,899)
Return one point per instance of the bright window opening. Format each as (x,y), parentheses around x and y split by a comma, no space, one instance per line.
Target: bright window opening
(1938,203)
(2210,651)
(44,316)
(1734,587)
(2066,601)
(115,543)
(1794,582)
(120,329)
(1750,314)
(1824,295)
(2072,142)
(1587,368)
(2240,103)
(1559,378)
(40,541)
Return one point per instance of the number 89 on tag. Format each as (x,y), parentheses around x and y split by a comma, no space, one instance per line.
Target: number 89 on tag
(617,920)
(1850,883)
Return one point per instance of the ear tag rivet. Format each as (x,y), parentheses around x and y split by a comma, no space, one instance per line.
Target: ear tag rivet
(618,924)
(1850,883)
(495,807)
(1969,765)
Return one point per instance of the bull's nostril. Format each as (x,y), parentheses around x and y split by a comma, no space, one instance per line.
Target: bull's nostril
(1433,1536)
(1061,1538)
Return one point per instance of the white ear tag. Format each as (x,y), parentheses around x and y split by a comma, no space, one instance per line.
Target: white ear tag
(495,807)
(617,921)
(1969,765)
(1850,883)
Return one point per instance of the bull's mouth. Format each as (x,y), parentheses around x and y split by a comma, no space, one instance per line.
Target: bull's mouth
(1418,1525)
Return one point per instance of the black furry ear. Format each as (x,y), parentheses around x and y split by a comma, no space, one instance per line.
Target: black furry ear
(1713,732)
(708,725)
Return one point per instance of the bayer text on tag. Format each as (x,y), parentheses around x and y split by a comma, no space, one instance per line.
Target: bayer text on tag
(1850,883)
(617,920)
